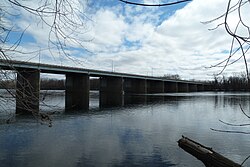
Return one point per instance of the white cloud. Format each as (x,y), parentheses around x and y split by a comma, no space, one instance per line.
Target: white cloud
(182,44)
(146,40)
(108,30)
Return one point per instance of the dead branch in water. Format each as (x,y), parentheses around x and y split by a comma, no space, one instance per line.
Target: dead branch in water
(209,157)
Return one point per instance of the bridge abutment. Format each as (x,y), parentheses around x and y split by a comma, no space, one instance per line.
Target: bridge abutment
(77,92)
(111,92)
(27,91)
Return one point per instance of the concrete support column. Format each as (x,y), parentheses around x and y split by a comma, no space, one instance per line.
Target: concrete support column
(170,87)
(111,92)
(192,87)
(200,87)
(183,87)
(154,87)
(27,91)
(135,91)
(207,87)
(77,92)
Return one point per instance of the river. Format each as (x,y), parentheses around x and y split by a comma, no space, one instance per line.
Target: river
(134,135)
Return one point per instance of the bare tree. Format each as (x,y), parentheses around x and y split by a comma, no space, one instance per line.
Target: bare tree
(240,32)
(240,44)
(65,20)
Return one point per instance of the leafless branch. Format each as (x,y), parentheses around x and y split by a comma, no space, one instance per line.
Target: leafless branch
(163,4)
(68,23)
(243,41)
(245,160)
(230,131)
(244,112)
(231,124)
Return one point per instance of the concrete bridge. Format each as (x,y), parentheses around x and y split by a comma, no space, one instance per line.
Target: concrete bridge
(113,85)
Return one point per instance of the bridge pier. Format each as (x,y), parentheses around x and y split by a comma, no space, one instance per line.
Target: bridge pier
(135,91)
(192,87)
(183,87)
(77,92)
(154,87)
(27,91)
(170,87)
(207,87)
(200,87)
(111,92)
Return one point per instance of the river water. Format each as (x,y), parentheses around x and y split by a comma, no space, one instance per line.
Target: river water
(134,135)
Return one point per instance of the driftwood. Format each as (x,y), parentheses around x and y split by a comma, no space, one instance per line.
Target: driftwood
(205,154)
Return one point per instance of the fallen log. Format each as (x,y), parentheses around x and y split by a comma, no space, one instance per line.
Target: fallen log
(205,154)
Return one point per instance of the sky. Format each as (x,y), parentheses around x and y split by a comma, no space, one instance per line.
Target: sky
(115,36)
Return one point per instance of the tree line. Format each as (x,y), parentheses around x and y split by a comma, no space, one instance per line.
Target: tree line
(45,84)
(237,82)
(48,84)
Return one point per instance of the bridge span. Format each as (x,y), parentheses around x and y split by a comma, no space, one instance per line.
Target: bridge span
(113,85)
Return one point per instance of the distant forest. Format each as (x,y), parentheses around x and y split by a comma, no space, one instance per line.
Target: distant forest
(237,82)
(48,84)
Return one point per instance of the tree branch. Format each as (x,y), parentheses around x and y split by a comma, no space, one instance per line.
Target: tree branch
(163,4)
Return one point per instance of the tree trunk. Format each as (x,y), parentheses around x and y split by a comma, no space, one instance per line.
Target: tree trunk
(209,157)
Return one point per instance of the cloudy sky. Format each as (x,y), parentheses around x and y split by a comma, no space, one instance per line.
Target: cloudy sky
(142,40)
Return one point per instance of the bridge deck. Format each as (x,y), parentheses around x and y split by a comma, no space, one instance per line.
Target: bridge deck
(56,69)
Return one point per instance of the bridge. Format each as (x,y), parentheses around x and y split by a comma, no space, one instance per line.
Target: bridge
(114,86)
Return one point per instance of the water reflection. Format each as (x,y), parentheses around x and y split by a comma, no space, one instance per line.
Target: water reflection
(140,135)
